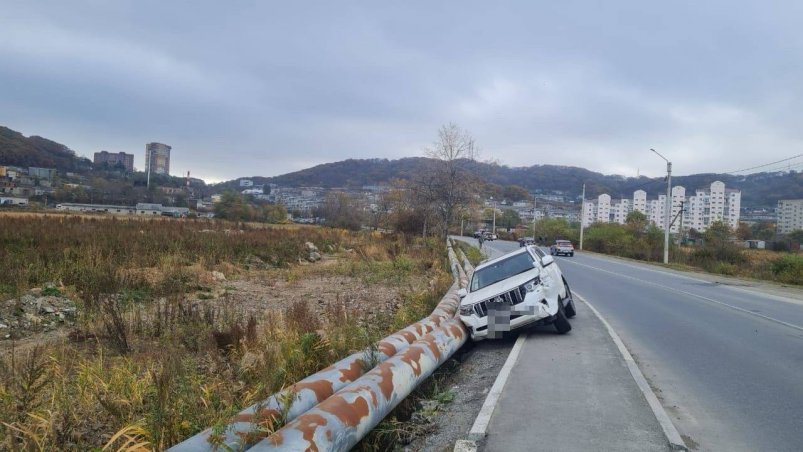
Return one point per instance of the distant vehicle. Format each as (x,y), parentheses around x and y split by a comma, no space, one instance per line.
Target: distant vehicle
(564,247)
(490,236)
(521,288)
(524,241)
(477,234)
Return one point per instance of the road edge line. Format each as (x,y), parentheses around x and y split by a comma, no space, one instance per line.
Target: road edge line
(670,431)
(480,427)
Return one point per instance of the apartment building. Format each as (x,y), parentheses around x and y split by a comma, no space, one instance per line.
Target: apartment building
(790,215)
(640,201)
(157,158)
(620,209)
(714,203)
(112,160)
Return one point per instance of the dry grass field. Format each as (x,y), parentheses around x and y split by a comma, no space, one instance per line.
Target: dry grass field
(118,333)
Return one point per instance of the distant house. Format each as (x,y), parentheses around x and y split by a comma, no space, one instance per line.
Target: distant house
(172,190)
(755,244)
(246,183)
(13,201)
(96,208)
(42,173)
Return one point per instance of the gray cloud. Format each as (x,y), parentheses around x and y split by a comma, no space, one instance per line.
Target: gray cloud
(250,88)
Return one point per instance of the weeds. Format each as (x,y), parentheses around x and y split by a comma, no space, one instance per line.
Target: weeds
(146,367)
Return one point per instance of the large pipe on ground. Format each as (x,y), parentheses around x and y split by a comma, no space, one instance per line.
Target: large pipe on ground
(339,422)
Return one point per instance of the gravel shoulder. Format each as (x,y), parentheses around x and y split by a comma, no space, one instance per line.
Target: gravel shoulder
(479,365)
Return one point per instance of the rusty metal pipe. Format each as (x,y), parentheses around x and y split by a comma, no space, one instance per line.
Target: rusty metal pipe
(316,388)
(339,422)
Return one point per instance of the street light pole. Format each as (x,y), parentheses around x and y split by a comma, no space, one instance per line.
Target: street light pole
(493,230)
(668,207)
(582,216)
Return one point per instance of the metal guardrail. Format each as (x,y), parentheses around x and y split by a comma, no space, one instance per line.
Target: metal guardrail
(420,346)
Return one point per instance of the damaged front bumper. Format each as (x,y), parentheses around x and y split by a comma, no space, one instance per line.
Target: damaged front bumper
(499,318)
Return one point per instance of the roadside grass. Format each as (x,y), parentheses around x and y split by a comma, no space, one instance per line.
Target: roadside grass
(146,365)
(473,254)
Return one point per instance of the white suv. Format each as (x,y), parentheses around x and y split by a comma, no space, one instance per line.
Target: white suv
(521,288)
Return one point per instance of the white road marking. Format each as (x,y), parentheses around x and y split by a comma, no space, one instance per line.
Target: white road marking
(679,274)
(670,431)
(480,427)
(710,300)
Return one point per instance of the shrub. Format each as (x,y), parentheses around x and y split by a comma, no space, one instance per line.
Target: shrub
(789,269)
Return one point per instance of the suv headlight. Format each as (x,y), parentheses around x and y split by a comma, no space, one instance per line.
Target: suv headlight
(532,285)
(467,310)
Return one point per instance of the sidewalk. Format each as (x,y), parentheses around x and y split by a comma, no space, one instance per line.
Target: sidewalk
(573,392)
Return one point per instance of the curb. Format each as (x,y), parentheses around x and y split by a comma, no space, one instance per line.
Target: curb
(480,427)
(670,431)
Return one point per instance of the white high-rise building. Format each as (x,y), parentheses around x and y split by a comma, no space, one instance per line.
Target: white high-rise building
(715,203)
(656,211)
(790,215)
(603,208)
(589,213)
(620,209)
(640,201)
(678,201)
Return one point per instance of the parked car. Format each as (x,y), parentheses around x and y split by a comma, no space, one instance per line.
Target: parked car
(564,247)
(478,234)
(520,289)
(524,241)
(489,236)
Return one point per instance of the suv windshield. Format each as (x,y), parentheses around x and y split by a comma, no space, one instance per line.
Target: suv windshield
(503,269)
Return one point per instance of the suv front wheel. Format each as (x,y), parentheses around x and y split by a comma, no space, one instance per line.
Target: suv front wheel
(561,322)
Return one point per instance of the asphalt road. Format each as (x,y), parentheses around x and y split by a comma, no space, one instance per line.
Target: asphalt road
(725,360)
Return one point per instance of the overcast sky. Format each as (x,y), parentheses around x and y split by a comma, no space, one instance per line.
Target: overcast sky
(244,88)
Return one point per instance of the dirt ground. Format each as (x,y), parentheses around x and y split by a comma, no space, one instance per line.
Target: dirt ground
(257,293)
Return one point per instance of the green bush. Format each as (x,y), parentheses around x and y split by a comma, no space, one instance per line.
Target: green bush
(789,269)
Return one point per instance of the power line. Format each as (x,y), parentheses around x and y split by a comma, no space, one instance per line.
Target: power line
(766,164)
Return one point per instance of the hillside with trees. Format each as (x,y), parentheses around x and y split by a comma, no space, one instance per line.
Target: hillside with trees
(758,190)
(19,150)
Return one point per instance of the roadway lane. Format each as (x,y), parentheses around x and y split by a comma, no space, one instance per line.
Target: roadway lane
(727,362)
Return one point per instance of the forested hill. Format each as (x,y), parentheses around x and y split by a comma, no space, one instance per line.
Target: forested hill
(758,190)
(18,150)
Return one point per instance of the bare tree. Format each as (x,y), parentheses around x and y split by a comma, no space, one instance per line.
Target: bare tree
(449,183)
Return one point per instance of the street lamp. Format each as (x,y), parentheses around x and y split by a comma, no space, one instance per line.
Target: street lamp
(668,207)
(493,230)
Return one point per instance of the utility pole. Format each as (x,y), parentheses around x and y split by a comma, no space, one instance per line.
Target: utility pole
(533,218)
(668,209)
(582,216)
(493,230)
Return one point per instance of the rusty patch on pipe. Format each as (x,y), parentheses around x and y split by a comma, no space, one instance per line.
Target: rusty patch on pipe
(408,336)
(387,348)
(385,380)
(413,357)
(433,347)
(267,414)
(456,330)
(307,424)
(348,413)
(322,388)
(419,329)
(276,439)
(352,372)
